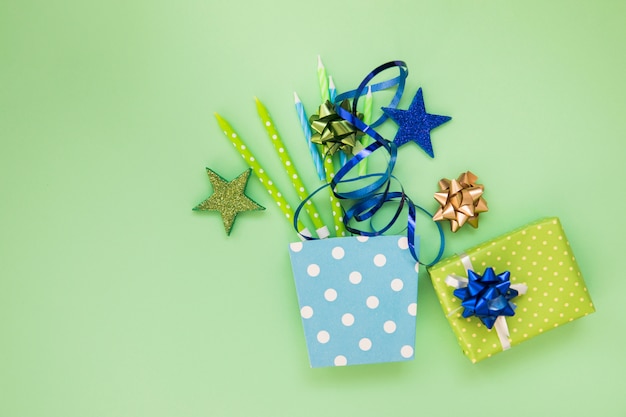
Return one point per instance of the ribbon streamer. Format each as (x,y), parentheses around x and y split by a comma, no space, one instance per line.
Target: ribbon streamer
(399,81)
(487,297)
(368,199)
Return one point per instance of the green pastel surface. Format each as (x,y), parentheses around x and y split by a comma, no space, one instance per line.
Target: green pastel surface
(118,300)
(537,255)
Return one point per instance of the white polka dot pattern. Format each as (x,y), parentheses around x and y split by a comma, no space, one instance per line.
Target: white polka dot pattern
(538,255)
(282,153)
(358,299)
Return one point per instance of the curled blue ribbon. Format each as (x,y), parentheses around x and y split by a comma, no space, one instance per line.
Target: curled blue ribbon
(368,199)
(361,90)
(487,296)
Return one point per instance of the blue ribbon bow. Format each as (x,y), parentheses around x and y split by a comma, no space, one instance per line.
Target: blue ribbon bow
(487,296)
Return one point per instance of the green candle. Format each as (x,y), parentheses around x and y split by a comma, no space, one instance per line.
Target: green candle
(322,78)
(340,229)
(259,172)
(367,119)
(281,151)
(329,168)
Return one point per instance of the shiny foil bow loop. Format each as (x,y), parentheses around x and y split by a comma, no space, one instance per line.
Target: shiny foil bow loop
(487,297)
(333,132)
(461,201)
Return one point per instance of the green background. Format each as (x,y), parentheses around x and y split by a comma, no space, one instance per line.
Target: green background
(117,300)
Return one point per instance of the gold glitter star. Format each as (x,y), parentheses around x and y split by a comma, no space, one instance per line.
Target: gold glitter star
(228,198)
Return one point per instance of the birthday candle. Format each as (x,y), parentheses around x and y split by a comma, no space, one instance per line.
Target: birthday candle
(306,129)
(259,172)
(281,150)
(323,80)
(340,228)
(329,168)
(367,119)
(332,90)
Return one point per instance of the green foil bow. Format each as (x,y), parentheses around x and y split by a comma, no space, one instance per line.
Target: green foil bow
(333,132)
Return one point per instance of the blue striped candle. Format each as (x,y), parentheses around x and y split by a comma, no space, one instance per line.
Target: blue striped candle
(306,129)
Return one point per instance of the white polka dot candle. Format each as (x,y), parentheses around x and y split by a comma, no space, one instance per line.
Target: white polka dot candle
(358,299)
(252,162)
(537,255)
(281,151)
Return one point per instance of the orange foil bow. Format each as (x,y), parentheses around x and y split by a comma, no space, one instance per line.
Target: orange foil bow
(461,201)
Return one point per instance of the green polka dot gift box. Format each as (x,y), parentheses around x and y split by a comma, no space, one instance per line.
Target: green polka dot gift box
(358,299)
(512,288)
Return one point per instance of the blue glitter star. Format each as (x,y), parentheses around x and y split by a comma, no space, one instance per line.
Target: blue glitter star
(415,124)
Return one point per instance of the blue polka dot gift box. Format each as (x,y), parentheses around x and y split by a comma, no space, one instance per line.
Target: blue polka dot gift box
(511,289)
(358,299)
